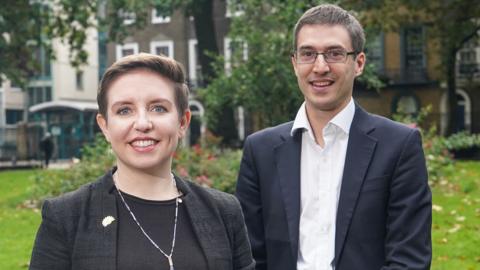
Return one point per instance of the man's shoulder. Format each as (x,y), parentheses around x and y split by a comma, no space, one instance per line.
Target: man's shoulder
(383,128)
(382,122)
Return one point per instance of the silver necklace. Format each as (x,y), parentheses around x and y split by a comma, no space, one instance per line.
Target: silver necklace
(177,201)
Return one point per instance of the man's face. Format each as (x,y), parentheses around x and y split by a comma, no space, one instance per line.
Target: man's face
(327,87)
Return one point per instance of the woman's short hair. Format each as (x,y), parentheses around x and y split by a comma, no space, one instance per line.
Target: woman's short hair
(158,64)
(329,14)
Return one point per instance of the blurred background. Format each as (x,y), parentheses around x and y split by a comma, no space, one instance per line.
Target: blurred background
(423,69)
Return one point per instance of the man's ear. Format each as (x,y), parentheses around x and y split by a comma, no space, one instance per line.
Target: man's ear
(102,123)
(294,64)
(360,61)
(184,123)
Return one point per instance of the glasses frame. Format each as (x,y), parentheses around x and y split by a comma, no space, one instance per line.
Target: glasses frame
(294,55)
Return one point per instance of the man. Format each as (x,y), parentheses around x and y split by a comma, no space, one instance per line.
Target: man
(337,188)
(46,145)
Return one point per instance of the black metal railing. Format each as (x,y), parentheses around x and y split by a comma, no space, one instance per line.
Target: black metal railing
(411,75)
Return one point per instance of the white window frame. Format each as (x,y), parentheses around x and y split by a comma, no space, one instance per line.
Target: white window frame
(126,46)
(192,59)
(236,13)
(228,53)
(156,19)
(128,21)
(163,43)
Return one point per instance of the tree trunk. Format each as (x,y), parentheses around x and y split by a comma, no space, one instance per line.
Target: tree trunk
(202,12)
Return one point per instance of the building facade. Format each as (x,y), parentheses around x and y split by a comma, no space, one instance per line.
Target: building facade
(408,63)
(174,36)
(60,99)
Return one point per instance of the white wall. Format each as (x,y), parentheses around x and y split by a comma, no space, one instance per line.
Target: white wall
(64,75)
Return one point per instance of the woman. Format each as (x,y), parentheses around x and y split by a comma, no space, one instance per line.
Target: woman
(139,215)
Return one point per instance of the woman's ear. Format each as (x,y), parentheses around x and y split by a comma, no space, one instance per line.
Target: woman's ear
(184,123)
(102,123)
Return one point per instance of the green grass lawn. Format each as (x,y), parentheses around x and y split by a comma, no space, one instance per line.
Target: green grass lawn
(455,233)
(18,224)
(456,219)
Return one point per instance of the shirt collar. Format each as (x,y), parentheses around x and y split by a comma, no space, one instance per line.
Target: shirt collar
(343,119)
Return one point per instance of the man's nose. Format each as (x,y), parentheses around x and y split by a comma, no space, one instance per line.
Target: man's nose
(320,65)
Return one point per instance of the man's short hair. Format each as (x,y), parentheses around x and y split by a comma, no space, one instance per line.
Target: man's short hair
(158,64)
(328,14)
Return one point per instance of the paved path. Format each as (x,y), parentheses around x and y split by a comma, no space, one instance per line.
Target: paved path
(26,164)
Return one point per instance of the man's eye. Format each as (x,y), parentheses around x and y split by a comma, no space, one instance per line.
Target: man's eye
(158,108)
(335,53)
(123,111)
(307,53)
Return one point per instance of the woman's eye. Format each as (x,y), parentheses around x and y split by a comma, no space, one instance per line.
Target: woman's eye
(158,108)
(123,111)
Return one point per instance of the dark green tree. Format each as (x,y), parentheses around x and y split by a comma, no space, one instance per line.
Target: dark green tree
(26,25)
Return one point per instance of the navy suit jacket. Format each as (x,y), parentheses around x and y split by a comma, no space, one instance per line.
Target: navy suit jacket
(384,211)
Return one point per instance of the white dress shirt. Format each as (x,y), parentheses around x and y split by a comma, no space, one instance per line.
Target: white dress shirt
(321,173)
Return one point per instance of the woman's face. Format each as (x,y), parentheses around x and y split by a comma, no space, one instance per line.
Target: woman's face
(143,124)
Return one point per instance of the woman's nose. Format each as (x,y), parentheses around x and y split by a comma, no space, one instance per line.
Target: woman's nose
(143,122)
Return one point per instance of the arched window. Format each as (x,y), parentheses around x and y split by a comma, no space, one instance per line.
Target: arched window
(464,112)
(197,124)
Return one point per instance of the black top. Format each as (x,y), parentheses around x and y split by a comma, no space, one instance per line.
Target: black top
(157,218)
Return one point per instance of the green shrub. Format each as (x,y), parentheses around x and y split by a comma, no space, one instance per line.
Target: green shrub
(97,158)
(207,165)
(438,149)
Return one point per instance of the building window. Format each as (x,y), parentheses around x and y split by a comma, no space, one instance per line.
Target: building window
(406,104)
(162,47)
(13,116)
(234,8)
(157,18)
(375,50)
(235,51)
(128,17)
(468,64)
(38,95)
(40,55)
(126,49)
(194,67)
(79,80)
(414,47)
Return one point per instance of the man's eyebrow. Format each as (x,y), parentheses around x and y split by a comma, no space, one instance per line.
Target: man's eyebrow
(331,47)
(306,48)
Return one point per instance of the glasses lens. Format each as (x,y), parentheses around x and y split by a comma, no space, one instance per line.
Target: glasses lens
(335,56)
(306,56)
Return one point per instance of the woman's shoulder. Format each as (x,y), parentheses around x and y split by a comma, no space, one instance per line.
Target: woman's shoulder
(70,201)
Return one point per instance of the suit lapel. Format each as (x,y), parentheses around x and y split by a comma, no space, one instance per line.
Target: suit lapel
(205,228)
(359,154)
(287,160)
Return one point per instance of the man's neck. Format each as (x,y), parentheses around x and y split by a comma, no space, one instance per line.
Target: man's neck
(318,119)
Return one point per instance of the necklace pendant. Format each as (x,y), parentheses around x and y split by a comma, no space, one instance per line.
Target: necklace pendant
(170,262)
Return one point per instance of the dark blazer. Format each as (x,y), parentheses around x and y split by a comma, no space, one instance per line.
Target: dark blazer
(384,211)
(71,235)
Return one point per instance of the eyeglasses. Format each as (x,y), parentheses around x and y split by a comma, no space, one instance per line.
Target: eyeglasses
(307,56)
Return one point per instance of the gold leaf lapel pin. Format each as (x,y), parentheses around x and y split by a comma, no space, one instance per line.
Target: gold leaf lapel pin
(107,220)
